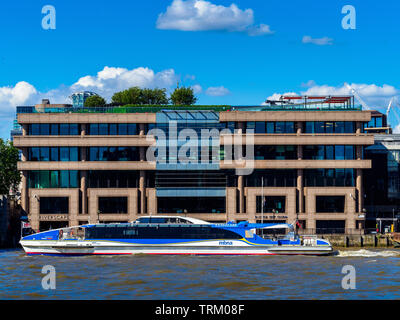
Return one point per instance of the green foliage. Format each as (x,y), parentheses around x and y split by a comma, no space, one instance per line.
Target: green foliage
(9,175)
(138,96)
(183,96)
(95,101)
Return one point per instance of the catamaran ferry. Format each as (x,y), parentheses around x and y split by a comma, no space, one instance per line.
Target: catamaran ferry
(173,235)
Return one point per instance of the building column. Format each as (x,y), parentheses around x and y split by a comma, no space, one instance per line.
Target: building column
(241,194)
(24,192)
(142,189)
(360,191)
(84,191)
(300,190)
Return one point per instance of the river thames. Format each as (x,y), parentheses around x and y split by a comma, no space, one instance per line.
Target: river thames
(202,277)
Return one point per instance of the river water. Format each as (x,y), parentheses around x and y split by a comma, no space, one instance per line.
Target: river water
(202,277)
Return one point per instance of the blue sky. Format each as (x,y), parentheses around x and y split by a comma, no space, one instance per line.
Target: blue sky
(106,46)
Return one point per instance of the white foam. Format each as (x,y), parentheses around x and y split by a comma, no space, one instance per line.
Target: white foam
(368,253)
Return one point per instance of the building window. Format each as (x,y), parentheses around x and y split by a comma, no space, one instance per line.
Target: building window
(53,179)
(112,154)
(112,129)
(271,204)
(191,205)
(113,204)
(329,127)
(330,204)
(54,205)
(330,226)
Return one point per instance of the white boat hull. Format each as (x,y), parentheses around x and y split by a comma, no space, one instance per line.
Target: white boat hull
(201,248)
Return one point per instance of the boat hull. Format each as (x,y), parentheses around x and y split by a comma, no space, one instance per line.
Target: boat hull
(58,248)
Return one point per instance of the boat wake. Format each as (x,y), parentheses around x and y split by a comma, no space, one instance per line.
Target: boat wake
(368,253)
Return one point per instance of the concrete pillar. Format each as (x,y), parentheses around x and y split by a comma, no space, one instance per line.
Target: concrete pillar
(300,189)
(360,190)
(241,194)
(299,128)
(83,189)
(142,188)
(83,129)
(25,192)
(142,129)
(24,129)
(358,127)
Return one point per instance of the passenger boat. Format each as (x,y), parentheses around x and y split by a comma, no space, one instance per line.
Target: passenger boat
(173,235)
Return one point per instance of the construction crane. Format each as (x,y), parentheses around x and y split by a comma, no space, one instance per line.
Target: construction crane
(354,92)
(392,102)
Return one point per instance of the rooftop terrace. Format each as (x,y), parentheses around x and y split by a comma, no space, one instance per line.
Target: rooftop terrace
(292,103)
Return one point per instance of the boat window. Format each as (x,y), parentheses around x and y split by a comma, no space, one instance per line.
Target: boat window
(160,232)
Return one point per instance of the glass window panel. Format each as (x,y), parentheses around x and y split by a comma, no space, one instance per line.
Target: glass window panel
(250,125)
(320,153)
(44,154)
(54,130)
(103,154)
(330,176)
(54,179)
(94,129)
(280,127)
(64,129)
(289,127)
(339,127)
(34,154)
(103,129)
(270,127)
(64,154)
(339,152)
(73,179)
(35,129)
(64,179)
(349,152)
(330,152)
(44,179)
(73,154)
(113,127)
(319,127)
(349,127)
(132,129)
(339,177)
(378,122)
(310,127)
(54,154)
(123,129)
(73,129)
(44,129)
(260,127)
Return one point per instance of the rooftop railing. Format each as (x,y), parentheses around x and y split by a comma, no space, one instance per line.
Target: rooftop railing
(159,108)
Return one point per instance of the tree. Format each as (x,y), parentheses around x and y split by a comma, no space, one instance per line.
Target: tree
(130,96)
(154,96)
(183,96)
(9,175)
(94,101)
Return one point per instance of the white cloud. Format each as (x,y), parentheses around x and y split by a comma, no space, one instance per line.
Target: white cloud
(10,96)
(318,41)
(201,15)
(217,91)
(197,88)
